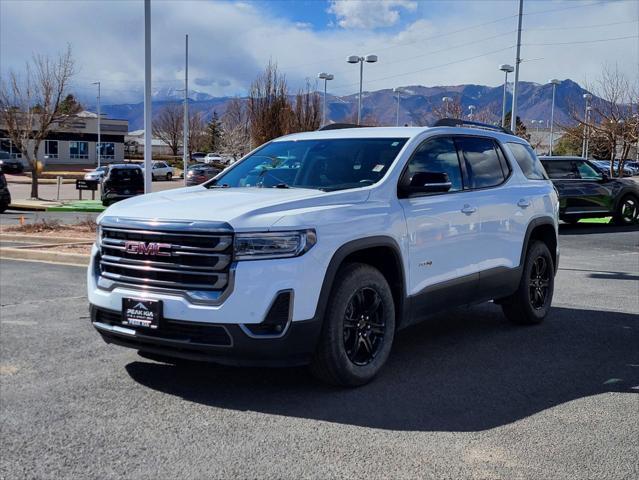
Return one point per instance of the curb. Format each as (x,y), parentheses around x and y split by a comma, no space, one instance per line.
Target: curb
(76,209)
(41,239)
(27,208)
(43,256)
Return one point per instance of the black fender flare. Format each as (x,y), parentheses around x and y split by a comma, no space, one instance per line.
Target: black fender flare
(352,247)
(534,223)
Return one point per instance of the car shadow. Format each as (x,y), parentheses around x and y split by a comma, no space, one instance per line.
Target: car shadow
(469,370)
(594,228)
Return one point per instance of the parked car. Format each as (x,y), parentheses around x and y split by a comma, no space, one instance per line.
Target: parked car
(161,170)
(603,166)
(586,191)
(200,173)
(198,156)
(371,230)
(97,174)
(8,164)
(5,196)
(122,181)
(213,158)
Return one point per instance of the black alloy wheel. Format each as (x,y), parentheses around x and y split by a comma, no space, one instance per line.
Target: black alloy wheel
(364,326)
(628,210)
(539,283)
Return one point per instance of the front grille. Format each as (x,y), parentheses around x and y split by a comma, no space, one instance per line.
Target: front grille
(206,334)
(198,261)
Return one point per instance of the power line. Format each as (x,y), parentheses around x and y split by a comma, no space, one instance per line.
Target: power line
(576,27)
(579,42)
(541,12)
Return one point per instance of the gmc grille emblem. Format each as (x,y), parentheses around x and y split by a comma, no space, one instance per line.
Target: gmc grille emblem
(144,248)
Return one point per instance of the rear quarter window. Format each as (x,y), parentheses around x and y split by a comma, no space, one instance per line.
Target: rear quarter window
(483,163)
(528,161)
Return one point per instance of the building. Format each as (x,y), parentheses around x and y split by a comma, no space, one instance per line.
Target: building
(75,144)
(134,142)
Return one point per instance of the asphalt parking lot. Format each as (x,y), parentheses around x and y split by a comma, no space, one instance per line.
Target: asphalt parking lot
(466,395)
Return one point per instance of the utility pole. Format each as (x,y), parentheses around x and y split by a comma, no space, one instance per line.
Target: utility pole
(185,141)
(513,116)
(148,126)
(99,118)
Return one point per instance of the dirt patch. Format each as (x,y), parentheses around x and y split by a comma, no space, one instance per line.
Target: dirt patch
(80,249)
(83,229)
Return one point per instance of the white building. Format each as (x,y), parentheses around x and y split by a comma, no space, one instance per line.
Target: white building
(134,142)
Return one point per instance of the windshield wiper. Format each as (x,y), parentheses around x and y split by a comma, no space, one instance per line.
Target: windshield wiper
(224,185)
(281,185)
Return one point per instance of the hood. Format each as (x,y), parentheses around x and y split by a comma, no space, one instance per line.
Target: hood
(242,208)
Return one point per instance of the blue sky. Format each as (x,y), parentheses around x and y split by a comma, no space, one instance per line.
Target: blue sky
(430,42)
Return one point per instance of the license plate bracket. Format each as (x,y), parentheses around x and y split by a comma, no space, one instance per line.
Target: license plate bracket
(142,313)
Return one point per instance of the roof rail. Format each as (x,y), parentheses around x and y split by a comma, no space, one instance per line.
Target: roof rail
(458,122)
(339,126)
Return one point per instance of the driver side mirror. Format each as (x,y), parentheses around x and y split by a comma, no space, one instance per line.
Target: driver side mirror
(424,183)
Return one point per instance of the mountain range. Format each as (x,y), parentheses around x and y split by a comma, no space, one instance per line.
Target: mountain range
(417,103)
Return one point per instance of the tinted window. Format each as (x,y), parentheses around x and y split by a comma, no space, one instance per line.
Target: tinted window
(482,162)
(528,161)
(561,169)
(126,175)
(438,155)
(587,172)
(327,164)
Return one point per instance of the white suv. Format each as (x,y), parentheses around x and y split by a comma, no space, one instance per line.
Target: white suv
(316,247)
(161,170)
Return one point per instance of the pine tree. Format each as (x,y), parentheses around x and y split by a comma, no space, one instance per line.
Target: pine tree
(214,133)
(520,127)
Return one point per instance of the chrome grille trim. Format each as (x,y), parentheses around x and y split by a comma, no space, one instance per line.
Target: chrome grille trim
(195,258)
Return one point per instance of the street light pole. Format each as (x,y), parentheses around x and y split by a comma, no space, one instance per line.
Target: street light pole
(399,92)
(99,118)
(472,111)
(513,119)
(554,83)
(326,77)
(148,126)
(587,98)
(506,69)
(588,115)
(185,141)
(361,60)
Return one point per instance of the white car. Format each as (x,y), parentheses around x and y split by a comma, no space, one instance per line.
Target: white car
(96,175)
(213,158)
(321,261)
(161,170)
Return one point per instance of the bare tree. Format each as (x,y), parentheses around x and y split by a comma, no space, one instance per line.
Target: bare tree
(197,132)
(306,115)
(450,109)
(168,126)
(31,105)
(269,109)
(235,140)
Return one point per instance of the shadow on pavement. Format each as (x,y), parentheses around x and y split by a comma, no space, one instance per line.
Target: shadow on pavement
(469,370)
(590,228)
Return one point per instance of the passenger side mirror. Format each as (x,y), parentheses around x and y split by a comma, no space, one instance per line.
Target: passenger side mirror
(424,182)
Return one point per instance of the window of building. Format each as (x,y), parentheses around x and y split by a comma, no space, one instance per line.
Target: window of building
(438,155)
(51,148)
(79,150)
(9,147)
(106,150)
(482,162)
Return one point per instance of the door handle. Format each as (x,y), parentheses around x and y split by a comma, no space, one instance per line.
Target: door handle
(468,210)
(523,203)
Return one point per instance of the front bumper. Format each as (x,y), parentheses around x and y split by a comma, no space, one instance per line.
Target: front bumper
(225,344)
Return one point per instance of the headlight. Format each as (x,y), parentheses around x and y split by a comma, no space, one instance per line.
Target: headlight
(259,246)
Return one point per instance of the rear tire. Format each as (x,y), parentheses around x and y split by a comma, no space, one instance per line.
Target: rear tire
(358,328)
(530,304)
(627,211)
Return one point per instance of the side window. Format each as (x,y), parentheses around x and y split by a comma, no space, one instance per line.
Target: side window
(482,161)
(438,155)
(587,172)
(561,170)
(528,161)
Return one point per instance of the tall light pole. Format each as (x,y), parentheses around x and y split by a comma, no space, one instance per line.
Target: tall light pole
(506,69)
(554,82)
(399,94)
(513,115)
(587,98)
(148,126)
(472,111)
(446,101)
(185,141)
(588,115)
(361,60)
(99,118)
(326,77)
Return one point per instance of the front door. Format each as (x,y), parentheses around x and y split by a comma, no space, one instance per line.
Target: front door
(443,233)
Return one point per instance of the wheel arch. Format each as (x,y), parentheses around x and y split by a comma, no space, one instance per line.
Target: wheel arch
(381,252)
(542,229)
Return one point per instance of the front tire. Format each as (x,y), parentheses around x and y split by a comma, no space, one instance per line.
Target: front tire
(358,328)
(530,304)
(169,176)
(628,211)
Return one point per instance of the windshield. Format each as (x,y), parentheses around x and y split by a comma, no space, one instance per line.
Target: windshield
(334,164)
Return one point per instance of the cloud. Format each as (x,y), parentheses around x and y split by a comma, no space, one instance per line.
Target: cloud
(448,43)
(366,14)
